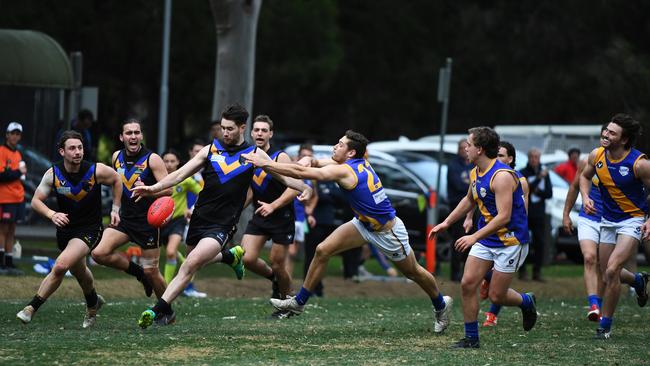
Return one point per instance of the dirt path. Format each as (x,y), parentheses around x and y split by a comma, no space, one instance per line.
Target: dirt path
(25,287)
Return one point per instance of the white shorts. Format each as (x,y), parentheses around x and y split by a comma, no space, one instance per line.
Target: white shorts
(610,230)
(299,234)
(394,243)
(506,259)
(588,230)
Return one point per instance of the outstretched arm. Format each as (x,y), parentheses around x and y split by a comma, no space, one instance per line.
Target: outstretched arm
(43,190)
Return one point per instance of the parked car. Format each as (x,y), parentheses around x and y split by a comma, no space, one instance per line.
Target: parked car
(407,191)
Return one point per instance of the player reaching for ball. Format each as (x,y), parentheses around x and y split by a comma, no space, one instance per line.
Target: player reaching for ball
(76,184)
(227,179)
(135,165)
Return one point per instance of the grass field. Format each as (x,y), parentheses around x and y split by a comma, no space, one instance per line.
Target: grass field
(391,324)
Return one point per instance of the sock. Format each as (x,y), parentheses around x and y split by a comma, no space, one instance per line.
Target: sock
(471,330)
(526,301)
(2,257)
(606,323)
(594,300)
(170,270)
(600,302)
(227,257)
(638,282)
(91,298)
(36,302)
(495,309)
(271,277)
(438,302)
(135,270)
(162,307)
(9,260)
(488,276)
(303,296)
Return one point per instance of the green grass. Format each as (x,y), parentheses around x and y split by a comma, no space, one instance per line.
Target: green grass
(331,331)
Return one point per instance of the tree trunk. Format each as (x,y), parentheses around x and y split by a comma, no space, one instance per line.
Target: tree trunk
(236,25)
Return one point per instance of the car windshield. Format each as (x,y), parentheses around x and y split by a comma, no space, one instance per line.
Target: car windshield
(427,170)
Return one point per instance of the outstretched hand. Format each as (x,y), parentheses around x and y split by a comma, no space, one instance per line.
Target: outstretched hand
(437,229)
(258,158)
(140,190)
(306,194)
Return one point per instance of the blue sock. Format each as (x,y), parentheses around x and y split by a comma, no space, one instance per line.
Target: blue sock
(438,302)
(526,301)
(594,300)
(600,302)
(303,296)
(606,323)
(495,309)
(638,282)
(488,276)
(471,330)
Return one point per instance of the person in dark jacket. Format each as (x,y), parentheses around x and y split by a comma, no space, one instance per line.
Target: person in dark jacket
(541,189)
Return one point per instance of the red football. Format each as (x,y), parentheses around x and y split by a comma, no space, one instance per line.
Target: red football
(160,211)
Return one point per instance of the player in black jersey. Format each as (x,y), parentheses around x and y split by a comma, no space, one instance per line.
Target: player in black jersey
(136,165)
(76,184)
(226,182)
(273,219)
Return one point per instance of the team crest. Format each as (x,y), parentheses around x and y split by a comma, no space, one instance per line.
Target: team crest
(483,192)
(624,170)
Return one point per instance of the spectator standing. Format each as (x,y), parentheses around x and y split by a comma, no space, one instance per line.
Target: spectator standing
(541,189)
(12,195)
(458,170)
(568,169)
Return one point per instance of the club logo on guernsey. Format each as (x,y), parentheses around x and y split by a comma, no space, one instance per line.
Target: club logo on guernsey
(483,192)
(623,171)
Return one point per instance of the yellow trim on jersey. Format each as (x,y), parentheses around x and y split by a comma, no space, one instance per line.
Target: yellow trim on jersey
(501,233)
(486,169)
(259,179)
(356,178)
(512,173)
(615,193)
(636,161)
(373,222)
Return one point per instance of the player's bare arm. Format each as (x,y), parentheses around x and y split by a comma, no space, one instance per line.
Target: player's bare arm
(571,197)
(43,190)
(107,176)
(643,172)
(267,208)
(172,179)
(465,206)
(585,183)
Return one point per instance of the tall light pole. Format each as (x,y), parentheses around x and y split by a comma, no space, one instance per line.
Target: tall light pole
(164,89)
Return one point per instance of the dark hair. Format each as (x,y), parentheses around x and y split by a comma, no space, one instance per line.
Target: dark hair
(510,150)
(131,120)
(67,135)
(356,142)
(173,152)
(631,128)
(573,150)
(215,122)
(235,112)
(487,139)
(266,119)
(196,142)
(306,146)
(85,114)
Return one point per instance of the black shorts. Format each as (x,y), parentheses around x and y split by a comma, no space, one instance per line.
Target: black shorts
(11,212)
(140,232)
(279,230)
(89,235)
(197,232)
(176,226)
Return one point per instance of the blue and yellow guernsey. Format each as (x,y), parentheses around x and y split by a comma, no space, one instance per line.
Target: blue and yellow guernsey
(594,194)
(516,231)
(131,169)
(622,192)
(78,195)
(368,199)
(267,189)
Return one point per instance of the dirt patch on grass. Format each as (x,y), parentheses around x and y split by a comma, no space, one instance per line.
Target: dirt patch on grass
(26,287)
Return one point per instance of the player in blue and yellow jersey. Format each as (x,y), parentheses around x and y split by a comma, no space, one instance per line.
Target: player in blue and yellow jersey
(501,240)
(227,179)
(588,237)
(273,218)
(375,221)
(622,172)
(507,155)
(76,184)
(135,164)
